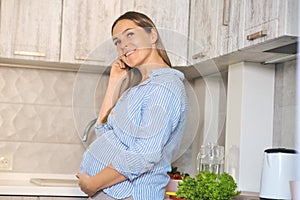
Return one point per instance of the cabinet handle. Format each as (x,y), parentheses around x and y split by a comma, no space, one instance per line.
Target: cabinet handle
(198,55)
(257,35)
(30,53)
(89,59)
(226,12)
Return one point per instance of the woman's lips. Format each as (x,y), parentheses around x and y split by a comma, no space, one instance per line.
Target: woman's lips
(129,53)
(125,55)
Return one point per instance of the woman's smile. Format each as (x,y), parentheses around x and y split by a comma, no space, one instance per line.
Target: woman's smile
(128,57)
(129,53)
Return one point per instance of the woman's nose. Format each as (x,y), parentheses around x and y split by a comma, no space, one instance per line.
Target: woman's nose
(124,47)
(124,44)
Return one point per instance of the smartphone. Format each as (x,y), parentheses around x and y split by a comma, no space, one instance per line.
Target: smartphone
(125,64)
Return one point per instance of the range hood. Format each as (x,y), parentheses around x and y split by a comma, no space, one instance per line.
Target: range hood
(290,50)
(286,49)
(273,51)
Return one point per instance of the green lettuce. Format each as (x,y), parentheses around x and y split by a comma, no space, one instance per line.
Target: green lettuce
(208,186)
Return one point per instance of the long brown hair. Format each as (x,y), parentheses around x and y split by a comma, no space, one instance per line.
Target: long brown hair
(134,75)
(146,23)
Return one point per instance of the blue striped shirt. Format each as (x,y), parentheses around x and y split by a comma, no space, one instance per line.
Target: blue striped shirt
(142,135)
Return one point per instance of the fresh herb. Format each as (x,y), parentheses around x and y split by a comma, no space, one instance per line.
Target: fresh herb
(208,186)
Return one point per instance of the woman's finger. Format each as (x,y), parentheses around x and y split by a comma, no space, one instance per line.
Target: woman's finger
(122,64)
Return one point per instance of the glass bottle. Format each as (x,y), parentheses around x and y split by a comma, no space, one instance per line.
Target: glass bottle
(211,157)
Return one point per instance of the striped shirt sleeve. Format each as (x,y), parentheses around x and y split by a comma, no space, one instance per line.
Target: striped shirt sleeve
(160,115)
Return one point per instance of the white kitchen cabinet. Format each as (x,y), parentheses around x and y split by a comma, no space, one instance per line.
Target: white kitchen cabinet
(30,29)
(214,28)
(70,33)
(172,20)
(86,32)
(206,25)
(232,31)
(203,29)
(228,27)
(265,20)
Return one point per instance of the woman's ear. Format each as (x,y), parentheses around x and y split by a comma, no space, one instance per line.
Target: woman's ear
(154,35)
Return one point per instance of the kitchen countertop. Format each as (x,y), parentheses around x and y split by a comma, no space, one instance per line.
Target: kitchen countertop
(63,185)
(49,185)
(247,196)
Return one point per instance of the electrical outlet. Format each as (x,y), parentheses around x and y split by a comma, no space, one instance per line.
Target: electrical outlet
(6,162)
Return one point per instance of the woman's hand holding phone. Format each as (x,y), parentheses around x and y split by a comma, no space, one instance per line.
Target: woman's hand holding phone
(118,74)
(118,69)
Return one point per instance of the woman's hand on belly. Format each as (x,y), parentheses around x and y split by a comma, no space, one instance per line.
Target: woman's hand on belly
(105,178)
(85,184)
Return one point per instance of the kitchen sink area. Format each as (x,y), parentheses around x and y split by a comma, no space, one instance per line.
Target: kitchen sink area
(64,185)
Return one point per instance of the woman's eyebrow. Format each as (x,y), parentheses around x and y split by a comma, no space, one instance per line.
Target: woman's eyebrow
(116,37)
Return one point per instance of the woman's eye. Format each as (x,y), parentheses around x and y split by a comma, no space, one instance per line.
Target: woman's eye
(117,42)
(129,34)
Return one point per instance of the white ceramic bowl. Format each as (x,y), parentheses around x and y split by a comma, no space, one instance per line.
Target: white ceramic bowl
(172,185)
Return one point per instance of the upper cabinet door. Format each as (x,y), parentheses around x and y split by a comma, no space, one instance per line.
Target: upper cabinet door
(30,29)
(265,20)
(171,17)
(214,28)
(86,37)
(229,24)
(260,21)
(204,20)
(223,27)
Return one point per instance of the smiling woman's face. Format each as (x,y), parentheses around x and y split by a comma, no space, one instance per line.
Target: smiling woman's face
(134,44)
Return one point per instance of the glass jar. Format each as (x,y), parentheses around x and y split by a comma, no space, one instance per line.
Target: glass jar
(211,157)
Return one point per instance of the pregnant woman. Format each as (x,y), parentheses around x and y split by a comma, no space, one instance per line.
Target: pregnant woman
(141,120)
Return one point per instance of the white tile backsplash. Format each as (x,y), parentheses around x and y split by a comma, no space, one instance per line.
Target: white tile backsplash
(32,86)
(32,157)
(37,123)
(40,124)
